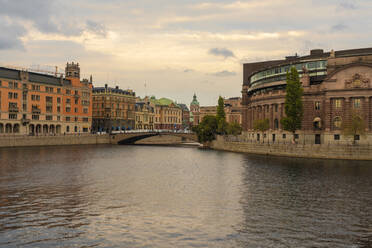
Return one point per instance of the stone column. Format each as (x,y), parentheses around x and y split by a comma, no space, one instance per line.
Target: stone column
(327,114)
(367,111)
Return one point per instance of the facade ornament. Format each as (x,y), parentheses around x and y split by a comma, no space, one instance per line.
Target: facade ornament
(357,81)
(332,54)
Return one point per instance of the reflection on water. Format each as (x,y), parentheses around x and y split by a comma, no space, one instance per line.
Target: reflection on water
(138,196)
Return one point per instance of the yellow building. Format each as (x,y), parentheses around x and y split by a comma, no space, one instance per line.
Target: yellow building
(168,114)
(145,115)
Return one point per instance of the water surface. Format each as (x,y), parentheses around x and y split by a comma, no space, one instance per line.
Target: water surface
(146,196)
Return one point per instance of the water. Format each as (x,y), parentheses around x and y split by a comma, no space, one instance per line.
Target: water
(139,196)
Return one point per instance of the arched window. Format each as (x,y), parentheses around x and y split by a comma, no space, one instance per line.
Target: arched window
(337,122)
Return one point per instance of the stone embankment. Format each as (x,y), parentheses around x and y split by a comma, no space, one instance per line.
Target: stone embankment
(351,152)
(19,140)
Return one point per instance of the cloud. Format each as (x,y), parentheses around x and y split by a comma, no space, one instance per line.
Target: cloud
(224,52)
(339,27)
(347,5)
(188,70)
(224,73)
(96,28)
(10,36)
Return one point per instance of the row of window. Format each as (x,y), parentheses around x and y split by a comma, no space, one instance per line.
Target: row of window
(313,65)
(14,116)
(34,87)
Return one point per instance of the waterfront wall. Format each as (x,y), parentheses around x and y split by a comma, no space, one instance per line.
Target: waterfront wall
(19,140)
(347,151)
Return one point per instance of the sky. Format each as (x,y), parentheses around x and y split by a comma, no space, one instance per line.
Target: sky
(175,48)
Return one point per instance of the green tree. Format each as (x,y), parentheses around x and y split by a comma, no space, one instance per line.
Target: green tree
(356,126)
(234,128)
(261,125)
(293,104)
(207,129)
(221,109)
(221,116)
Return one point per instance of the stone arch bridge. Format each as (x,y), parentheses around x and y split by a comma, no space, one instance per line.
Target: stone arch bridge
(131,138)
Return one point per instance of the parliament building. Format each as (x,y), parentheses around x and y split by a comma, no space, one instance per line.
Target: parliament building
(337,85)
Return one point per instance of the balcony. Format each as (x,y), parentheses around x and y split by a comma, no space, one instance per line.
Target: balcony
(13,109)
(25,121)
(36,110)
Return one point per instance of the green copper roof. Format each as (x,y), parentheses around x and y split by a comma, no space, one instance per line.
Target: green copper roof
(163,101)
(194,101)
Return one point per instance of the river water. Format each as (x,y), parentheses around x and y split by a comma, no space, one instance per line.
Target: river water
(149,196)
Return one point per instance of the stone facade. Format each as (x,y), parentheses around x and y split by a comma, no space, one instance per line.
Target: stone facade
(113,109)
(337,85)
(145,114)
(44,104)
(168,114)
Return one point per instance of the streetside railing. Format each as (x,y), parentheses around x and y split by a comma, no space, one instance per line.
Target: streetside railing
(243,139)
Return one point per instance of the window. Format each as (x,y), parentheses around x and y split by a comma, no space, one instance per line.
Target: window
(59,90)
(58,100)
(85,110)
(337,103)
(356,137)
(357,103)
(58,109)
(58,118)
(67,118)
(49,89)
(12,95)
(68,129)
(36,87)
(85,129)
(68,100)
(68,109)
(24,107)
(336,137)
(76,110)
(24,97)
(49,117)
(76,119)
(337,122)
(76,101)
(76,129)
(49,109)
(85,119)
(35,97)
(68,92)
(35,117)
(13,116)
(296,136)
(276,107)
(49,99)
(317,105)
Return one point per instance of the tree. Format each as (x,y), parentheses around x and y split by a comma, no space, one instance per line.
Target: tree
(221,116)
(233,128)
(293,104)
(261,125)
(356,126)
(207,129)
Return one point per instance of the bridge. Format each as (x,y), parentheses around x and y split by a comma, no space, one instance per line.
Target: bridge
(131,138)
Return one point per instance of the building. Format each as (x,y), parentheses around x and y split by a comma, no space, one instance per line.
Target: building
(44,104)
(113,109)
(168,114)
(233,110)
(194,111)
(232,107)
(185,116)
(145,114)
(336,84)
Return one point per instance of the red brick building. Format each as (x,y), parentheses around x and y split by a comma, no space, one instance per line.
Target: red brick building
(336,86)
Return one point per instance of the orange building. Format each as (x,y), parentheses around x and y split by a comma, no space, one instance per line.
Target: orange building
(41,104)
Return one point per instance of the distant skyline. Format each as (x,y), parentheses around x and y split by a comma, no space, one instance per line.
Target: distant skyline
(175,47)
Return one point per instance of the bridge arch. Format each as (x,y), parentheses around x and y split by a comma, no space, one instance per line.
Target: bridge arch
(131,138)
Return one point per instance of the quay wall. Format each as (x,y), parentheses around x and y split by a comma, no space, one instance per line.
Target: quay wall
(19,140)
(325,151)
